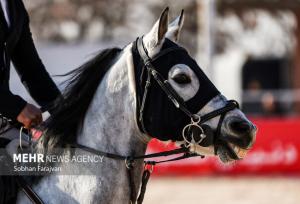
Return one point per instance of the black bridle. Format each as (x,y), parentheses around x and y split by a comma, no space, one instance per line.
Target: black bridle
(197,123)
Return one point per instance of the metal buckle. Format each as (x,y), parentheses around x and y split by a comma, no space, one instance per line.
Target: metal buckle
(148,64)
(194,123)
(129,162)
(196,119)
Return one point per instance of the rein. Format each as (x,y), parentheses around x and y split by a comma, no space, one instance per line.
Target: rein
(148,165)
(197,123)
(129,163)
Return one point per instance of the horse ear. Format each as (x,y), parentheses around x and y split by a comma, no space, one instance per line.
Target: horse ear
(175,28)
(163,25)
(157,34)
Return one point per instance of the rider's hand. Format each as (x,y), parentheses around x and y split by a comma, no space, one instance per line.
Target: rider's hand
(30,116)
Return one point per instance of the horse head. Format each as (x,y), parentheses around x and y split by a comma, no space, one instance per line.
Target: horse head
(176,101)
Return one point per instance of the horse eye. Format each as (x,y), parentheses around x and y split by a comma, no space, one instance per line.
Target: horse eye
(182,79)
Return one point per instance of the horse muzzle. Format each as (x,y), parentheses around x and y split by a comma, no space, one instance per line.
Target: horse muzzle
(233,146)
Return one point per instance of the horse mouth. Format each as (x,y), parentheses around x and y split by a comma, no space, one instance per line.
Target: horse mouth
(230,152)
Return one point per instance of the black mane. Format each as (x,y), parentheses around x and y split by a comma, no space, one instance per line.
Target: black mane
(67,119)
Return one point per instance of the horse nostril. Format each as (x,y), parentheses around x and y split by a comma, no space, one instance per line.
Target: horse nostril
(244,132)
(240,127)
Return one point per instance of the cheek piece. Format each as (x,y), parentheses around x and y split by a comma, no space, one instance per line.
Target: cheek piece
(161,112)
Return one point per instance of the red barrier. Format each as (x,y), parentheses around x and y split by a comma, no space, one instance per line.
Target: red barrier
(277,150)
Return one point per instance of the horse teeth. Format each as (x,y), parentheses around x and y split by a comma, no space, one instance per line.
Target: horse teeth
(242,153)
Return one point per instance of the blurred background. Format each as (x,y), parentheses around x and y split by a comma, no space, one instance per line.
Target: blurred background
(250,49)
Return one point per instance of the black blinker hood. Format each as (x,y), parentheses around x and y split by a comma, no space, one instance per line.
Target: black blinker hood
(162,120)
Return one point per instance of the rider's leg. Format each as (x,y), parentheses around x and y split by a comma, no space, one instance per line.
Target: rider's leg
(8,187)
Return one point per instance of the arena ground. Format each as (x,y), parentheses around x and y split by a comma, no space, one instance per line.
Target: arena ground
(223,190)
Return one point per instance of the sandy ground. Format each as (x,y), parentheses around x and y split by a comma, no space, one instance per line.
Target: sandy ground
(224,190)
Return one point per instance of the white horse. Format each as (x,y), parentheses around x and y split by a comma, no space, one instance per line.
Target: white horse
(100,108)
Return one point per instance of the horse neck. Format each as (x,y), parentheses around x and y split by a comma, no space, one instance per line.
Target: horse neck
(109,126)
(110,123)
